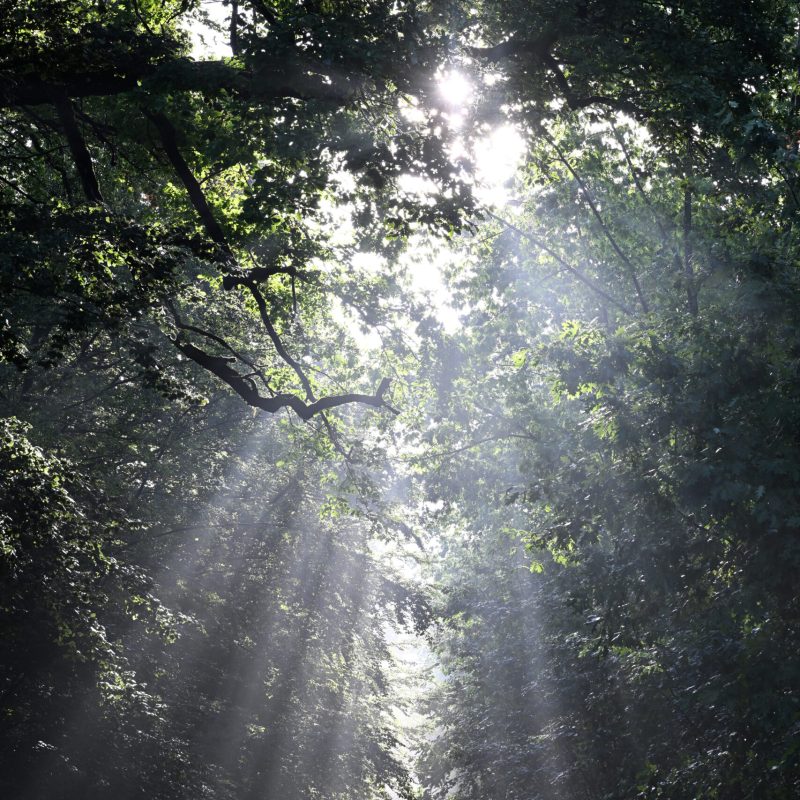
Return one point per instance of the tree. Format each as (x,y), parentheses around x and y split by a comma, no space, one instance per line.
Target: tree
(604,453)
(620,403)
(158,197)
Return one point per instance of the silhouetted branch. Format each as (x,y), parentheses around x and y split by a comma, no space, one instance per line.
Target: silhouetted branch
(258,274)
(220,366)
(169,141)
(513,47)
(541,50)
(234,28)
(276,340)
(266,12)
(574,101)
(282,78)
(181,325)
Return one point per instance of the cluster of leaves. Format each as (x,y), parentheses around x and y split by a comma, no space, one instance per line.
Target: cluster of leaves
(64,598)
(143,189)
(202,617)
(619,609)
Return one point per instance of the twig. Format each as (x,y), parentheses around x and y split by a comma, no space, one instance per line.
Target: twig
(596,212)
(564,264)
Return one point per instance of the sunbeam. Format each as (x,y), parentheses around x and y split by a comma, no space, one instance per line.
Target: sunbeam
(399,400)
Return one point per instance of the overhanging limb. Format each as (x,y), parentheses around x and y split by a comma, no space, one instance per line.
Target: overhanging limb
(220,366)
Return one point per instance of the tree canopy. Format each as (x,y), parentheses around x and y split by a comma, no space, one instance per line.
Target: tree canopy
(329,473)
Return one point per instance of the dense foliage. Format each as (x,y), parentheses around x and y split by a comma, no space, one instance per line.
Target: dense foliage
(222,502)
(638,434)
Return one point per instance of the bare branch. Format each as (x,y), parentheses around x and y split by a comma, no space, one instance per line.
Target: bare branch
(180,324)
(258,274)
(575,102)
(540,50)
(514,47)
(276,340)
(169,141)
(220,367)
(282,78)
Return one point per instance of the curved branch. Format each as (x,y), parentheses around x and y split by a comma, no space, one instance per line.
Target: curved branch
(276,340)
(272,80)
(513,47)
(181,325)
(258,274)
(169,141)
(220,366)
(540,50)
(574,102)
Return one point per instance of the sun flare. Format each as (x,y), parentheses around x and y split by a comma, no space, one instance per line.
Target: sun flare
(497,158)
(455,89)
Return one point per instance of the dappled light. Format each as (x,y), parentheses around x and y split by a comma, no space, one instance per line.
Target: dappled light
(498,157)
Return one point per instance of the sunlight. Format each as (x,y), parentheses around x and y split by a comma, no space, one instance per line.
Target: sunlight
(498,156)
(426,264)
(455,89)
(457,93)
(206,31)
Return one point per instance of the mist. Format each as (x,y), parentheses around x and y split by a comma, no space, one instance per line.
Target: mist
(399,401)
